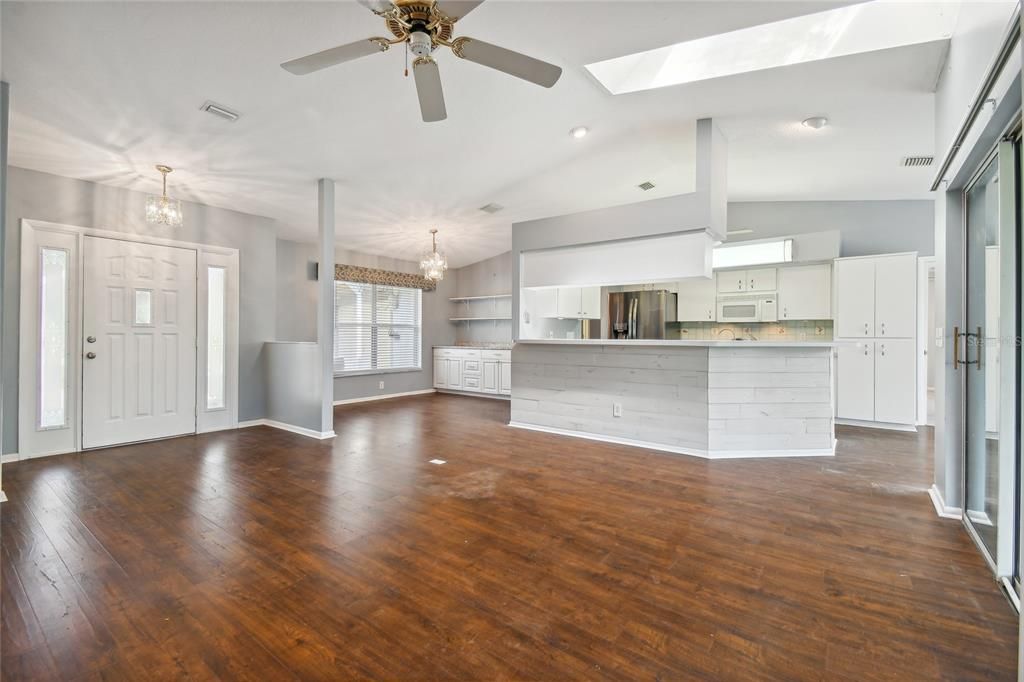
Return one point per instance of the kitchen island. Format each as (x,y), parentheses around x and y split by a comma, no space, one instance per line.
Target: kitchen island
(714,399)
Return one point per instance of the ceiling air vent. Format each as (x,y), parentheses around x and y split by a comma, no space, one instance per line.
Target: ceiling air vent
(646,185)
(219,110)
(491,208)
(917,161)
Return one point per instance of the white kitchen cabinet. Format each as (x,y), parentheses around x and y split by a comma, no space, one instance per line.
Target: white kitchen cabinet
(895,381)
(578,302)
(696,300)
(473,370)
(855,381)
(505,378)
(490,377)
(756,280)
(805,292)
(896,296)
(855,297)
(761,279)
(540,302)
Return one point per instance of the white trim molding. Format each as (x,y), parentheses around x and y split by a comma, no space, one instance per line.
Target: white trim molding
(386,396)
(941,508)
(692,452)
(309,433)
(3,496)
(885,426)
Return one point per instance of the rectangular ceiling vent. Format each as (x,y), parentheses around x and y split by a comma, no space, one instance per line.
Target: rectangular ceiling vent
(646,185)
(219,110)
(491,208)
(917,161)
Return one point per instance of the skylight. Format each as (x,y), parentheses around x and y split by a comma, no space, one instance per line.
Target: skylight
(864,27)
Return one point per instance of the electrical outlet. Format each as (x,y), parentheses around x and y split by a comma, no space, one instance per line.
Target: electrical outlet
(381,385)
(616,409)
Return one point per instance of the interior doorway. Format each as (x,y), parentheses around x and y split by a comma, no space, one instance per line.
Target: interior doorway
(929,351)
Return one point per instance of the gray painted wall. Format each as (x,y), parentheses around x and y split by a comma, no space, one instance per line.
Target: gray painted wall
(76,202)
(487,277)
(866,227)
(296,315)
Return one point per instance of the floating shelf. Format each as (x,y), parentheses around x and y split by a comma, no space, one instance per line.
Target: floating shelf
(474,319)
(479,298)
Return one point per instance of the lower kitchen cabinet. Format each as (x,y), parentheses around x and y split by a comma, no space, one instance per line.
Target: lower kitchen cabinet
(473,370)
(876,381)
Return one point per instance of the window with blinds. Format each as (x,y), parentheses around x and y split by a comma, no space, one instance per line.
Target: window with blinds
(376,328)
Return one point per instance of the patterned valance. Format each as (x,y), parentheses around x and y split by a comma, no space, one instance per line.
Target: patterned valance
(355,273)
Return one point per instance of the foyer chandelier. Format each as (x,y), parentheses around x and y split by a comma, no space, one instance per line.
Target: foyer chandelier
(163,210)
(433,264)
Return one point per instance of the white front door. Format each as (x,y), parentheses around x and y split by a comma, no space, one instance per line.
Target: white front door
(139,342)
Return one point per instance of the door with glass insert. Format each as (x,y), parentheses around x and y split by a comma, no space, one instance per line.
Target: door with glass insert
(139,345)
(989,354)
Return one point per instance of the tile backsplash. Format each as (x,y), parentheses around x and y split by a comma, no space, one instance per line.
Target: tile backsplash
(803,330)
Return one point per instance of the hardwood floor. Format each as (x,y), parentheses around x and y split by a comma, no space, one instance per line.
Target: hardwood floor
(258,554)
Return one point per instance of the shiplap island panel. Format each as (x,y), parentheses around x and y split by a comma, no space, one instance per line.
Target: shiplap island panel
(709,399)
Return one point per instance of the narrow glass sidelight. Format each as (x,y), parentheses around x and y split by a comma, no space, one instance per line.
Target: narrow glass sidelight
(53,338)
(216,326)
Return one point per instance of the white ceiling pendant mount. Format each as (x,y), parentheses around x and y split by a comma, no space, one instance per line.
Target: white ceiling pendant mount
(815,122)
(423,26)
(434,263)
(579,132)
(163,210)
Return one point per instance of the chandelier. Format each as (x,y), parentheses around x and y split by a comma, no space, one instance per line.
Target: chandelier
(163,210)
(433,264)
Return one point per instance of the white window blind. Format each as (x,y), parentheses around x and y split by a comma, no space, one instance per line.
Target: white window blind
(376,328)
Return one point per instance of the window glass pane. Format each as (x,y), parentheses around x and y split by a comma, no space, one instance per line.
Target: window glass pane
(376,327)
(752,254)
(143,306)
(216,325)
(53,337)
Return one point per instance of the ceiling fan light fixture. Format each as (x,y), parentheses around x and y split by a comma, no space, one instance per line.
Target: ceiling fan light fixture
(579,132)
(163,210)
(434,263)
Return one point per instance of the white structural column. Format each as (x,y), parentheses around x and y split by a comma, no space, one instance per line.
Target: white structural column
(325,303)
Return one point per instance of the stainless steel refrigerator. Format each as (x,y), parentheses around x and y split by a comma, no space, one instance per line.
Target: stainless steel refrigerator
(640,314)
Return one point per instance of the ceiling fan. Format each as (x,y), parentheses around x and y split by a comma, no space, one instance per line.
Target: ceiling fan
(425,25)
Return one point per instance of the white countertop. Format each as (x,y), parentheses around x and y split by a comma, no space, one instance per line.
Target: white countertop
(680,342)
(480,346)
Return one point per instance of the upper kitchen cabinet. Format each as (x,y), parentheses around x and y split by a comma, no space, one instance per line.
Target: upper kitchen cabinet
(541,302)
(578,302)
(876,297)
(740,281)
(805,292)
(696,300)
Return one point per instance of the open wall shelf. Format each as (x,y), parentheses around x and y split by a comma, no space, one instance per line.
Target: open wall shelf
(479,298)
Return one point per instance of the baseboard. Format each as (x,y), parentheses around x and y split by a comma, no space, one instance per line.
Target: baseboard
(18,457)
(692,452)
(979,518)
(885,426)
(10,458)
(309,433)
(940,505)
(475,394)
(386,396)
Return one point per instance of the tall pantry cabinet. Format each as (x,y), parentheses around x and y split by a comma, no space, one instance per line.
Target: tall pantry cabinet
(876,331)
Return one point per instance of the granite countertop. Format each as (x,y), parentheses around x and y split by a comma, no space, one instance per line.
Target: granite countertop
(480,346)
(680,342)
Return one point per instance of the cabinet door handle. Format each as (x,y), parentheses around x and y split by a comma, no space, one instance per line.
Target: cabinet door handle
(883,329)
(739,284)
(751,285)
(882,349)
(865,329)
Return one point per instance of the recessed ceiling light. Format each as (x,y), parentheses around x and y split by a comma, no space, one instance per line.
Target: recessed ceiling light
(815,122)
(579,131)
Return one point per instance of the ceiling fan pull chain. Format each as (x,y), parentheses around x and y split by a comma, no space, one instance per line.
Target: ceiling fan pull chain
(407,59)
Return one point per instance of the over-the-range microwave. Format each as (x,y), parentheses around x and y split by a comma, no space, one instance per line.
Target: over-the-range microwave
(761,308)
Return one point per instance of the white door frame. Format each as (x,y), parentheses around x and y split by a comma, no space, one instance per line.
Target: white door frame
(35,235)
(924,336)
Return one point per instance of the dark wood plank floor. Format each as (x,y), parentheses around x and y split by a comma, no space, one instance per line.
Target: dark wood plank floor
(260,555)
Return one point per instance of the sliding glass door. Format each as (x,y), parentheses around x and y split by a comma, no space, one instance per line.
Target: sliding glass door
(990,354)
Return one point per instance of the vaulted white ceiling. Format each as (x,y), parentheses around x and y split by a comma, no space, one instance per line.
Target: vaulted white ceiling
(103,91)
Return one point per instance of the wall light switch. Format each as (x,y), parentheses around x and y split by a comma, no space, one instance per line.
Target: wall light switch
(381,385)
(616,409)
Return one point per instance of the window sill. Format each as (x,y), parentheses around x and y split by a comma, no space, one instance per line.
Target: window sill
(369,372)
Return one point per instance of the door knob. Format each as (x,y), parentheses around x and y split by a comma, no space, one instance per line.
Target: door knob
(90,355)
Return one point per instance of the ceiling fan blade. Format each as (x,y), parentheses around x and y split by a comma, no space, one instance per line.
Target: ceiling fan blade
(378,7)
(456,9)
(428,88)
(335,55)
(512,63)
